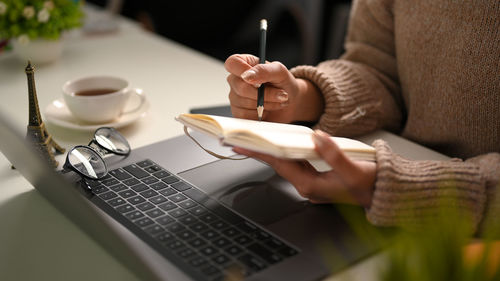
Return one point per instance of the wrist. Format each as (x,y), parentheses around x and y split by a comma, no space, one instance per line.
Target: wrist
(310,103)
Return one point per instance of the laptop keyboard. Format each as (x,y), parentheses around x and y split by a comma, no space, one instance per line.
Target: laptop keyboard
(197,233)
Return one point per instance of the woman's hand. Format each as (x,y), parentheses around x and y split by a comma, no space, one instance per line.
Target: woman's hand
(348,182)
(286,98)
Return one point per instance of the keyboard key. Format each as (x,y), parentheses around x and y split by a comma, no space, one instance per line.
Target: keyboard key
(125,208)
(145,206)
(148,193)
(186,235)
(181,186)
(167,206)
(170,179)
(264,253)
(165,237)
(116,201)
(177,197)
(143,222)
(155,229)
(186,253)
(198,227)
(161,174)
(99,189)
(208,218)
(187,220)
(159,186)
(110,182)
(152,169)
(186,204)
(221,242)
(120,174)
(139,187)
(231,232)
(127,193)
(158,199)
(136,200)
(150,180)
(145,163)
(169,191)
(198,211)
(175,227)
(118,187)
(234,250)
(198,261)
(208,251)
(136,171)
(177,213)
(107,195)
(155,213)
(197,242)
(221,259)
(209,234)
(134,215)
(218,224)
(131,181)
(243,240)
(252,262)
(175,245)
(165,220)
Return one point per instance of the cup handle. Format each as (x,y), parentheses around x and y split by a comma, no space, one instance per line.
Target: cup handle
(137,93)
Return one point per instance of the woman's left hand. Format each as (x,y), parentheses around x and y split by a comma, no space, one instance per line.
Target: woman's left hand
(348,182)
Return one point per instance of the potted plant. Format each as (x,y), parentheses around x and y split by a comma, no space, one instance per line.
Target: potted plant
(35,27)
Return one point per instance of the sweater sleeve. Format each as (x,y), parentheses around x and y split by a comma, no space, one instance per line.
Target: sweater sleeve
(407,193)
(360,90)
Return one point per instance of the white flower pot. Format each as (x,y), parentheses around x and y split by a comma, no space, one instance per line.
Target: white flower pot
(38,51)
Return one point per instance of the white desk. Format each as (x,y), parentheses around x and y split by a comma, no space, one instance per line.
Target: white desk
(36,241)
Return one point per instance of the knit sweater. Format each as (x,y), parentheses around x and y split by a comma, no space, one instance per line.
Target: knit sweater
(428,70)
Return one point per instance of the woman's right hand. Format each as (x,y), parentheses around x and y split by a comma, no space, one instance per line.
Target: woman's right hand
(286,98)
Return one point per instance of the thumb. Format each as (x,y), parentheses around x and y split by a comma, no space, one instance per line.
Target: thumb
(273,72)
(332,154)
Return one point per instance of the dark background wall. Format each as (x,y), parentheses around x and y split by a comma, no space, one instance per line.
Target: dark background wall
(299,31)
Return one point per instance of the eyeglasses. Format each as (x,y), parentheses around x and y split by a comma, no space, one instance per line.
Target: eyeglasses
(87,160)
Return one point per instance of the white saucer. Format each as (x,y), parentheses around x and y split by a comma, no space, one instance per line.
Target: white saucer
(58,114)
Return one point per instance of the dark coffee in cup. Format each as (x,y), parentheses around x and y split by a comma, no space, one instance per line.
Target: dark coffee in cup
(96,92)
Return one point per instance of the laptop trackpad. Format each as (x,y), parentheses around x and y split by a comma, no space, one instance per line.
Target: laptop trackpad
(248,187)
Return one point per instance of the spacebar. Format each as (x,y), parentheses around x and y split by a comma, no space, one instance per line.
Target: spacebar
(213,205)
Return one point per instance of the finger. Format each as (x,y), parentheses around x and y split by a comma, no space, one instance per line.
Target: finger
(237,64)
(274,72)
(241,87)
(331,153)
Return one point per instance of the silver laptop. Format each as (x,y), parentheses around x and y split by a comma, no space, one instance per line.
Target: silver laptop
(200,218)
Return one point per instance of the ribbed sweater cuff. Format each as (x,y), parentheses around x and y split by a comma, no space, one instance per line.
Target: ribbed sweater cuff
(350,106)
(412,193)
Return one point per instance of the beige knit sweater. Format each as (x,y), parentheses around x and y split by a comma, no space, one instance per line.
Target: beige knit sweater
(428,70)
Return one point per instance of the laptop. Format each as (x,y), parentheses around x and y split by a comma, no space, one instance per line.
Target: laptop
(170,211)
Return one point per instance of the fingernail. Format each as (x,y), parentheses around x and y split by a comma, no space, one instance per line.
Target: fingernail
(282,96)
(248,75)
(257,85)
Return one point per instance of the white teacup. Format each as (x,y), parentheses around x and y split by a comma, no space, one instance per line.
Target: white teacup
(99,99)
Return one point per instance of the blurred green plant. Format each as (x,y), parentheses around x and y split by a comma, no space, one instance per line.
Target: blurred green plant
(27,20)
(438,245)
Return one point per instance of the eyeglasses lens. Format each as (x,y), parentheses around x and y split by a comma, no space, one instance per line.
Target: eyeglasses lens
(87,162)
(112,140)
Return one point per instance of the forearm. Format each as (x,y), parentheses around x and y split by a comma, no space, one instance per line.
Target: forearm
(410,193)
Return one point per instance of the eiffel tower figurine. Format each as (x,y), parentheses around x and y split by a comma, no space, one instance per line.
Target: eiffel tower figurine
(37,133)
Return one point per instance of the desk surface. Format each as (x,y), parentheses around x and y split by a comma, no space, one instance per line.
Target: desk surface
(36,241)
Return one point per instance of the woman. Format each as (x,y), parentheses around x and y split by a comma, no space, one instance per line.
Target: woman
(427,70)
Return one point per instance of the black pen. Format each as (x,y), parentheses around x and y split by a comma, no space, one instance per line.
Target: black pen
(262,55)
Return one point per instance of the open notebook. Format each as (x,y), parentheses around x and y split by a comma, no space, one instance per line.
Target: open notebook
(277,139)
